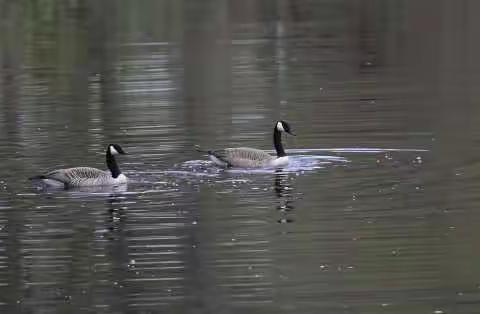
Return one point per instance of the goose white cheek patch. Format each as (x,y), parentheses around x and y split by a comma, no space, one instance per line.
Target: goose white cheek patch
(280,127)
(113,151)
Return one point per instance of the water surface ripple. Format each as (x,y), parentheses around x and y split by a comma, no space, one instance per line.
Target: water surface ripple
(376,213)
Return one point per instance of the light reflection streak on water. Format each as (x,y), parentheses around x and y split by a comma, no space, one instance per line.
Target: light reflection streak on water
(355,222)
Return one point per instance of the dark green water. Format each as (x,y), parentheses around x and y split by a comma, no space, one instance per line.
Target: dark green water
(377,213)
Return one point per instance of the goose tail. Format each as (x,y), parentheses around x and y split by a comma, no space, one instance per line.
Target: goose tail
(38,177)
(199,149)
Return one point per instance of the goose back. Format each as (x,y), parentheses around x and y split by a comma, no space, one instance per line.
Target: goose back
(83,176)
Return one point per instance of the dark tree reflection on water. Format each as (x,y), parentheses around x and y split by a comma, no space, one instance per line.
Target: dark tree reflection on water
(389,229)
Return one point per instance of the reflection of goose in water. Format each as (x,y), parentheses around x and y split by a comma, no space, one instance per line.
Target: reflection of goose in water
(111,190)
(246,157)
(116,204)
(86,191)
(283,191)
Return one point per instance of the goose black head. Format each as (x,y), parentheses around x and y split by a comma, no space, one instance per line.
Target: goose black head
(115,149)
(283,126)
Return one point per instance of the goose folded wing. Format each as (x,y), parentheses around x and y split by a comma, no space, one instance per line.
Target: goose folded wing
(84,173)
(246,153)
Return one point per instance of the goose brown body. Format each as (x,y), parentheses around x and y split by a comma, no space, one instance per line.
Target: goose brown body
(83,176)
(246,157)
(87,176)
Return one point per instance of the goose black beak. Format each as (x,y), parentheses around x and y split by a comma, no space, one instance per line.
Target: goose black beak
(291,133)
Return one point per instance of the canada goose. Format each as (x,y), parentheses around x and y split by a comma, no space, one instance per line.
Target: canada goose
(87,176)
(246,157)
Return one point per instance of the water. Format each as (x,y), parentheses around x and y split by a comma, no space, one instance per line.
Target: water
(377,212)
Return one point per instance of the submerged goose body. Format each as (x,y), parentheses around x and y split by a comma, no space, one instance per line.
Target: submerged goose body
(88,176)
(246,157)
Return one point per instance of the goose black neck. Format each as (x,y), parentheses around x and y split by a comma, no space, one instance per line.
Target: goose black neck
(277,141)
(112,165)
